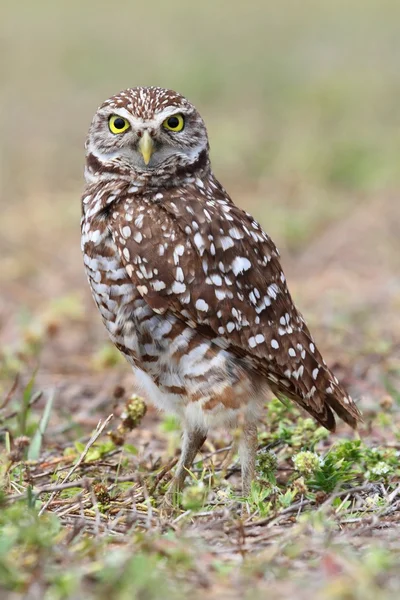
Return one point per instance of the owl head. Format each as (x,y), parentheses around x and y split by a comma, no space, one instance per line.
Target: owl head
(145,134)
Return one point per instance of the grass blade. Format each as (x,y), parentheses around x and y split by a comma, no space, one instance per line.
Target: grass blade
(36,443)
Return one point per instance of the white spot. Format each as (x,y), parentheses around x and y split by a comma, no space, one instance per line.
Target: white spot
(272,291)
(137,236)
(236,313)
(216,279)
(158,285)
(220,294)
(94,236)
(178,288)
(292,352)
(230,326)
(252,298)
(179,274)
(159,196)
(202,305)
(235,233)
(315,373)
(126,231)
(260,338)
(199,242)
(311,392)
(178,251)
(125,252)
(274,344)
(299,372)
(329,390)
(226,242)
(142,289)
(240,264)
(139,221)
(312,347)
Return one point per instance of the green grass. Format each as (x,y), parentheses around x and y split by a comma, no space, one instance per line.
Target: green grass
(291,90)
(78,529)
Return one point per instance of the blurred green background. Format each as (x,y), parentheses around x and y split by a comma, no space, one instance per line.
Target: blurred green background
(289,90)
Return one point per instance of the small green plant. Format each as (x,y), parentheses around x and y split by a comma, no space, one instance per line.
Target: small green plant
(337,468)
(194,496)
(306,463)
(266,464)
(258,499)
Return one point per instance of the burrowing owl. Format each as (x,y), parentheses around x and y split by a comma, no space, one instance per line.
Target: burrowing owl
(189,286)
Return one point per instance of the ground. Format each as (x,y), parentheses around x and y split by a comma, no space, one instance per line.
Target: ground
(305,135)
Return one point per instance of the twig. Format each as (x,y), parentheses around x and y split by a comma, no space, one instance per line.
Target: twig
(10,392)
(393,495)
(162,474)
(211,454)
(99,430)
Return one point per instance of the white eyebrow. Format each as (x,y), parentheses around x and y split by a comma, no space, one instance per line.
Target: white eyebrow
(155,122)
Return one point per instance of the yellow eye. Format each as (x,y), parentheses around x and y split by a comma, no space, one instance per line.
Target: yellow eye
(118,124)
(174,123)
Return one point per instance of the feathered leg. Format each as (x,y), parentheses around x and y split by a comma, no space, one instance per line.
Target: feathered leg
(248,445)
(193,439)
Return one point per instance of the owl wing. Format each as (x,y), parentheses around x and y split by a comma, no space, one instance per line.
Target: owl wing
(211,265)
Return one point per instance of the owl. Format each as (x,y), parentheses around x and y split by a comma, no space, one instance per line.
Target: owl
(189,286)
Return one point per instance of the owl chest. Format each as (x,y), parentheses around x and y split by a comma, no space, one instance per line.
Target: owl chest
(110,284)
(139,333)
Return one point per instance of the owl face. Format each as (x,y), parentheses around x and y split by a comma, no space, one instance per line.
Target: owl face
(146,131)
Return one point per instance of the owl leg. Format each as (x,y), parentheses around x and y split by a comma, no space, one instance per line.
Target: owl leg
(193,439)
(192,442)
(248,445)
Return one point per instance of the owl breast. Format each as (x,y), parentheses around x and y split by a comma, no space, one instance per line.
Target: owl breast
(179,370)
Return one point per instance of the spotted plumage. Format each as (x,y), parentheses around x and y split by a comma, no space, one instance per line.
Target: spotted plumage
(189,286)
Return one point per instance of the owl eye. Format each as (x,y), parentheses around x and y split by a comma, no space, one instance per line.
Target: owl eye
(118,124)
(174,123)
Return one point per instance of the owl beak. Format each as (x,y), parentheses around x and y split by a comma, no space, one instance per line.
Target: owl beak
(146,147)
